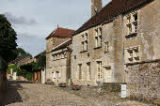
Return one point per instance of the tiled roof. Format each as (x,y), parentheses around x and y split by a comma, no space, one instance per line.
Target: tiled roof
(62,33)
(111,10)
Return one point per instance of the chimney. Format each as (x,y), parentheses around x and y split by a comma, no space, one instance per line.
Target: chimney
(96,6)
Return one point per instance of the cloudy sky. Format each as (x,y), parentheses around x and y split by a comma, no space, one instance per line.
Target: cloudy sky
(34,20)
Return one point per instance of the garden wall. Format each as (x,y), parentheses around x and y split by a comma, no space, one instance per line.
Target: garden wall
(143,80)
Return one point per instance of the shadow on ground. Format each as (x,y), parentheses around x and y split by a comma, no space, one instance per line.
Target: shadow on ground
(12,95)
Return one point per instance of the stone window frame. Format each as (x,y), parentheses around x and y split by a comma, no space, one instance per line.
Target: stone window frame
(89,75)
(80,76)
(98,37)
(84,43)
(132,24)
(99,70)
(106,49)
(134,52)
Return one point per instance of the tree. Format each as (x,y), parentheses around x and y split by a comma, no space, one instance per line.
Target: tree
(40,61)
(8,37)
(8,51)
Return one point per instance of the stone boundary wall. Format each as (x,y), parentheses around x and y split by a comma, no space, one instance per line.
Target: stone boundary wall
(143,80)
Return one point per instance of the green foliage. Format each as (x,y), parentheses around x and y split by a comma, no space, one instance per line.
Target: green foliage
(8,38)
(21,72)
(42,61)
(40,64)
(12,66)
(22,52)
(29,76)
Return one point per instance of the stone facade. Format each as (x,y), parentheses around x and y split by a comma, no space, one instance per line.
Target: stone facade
(144,80)
(61,64)
(109,55)
(60,35)
(145,41)
(130,37)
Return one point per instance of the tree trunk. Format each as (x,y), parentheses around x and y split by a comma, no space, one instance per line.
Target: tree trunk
(3,79)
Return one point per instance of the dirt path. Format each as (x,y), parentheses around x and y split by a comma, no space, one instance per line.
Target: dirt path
(28,94)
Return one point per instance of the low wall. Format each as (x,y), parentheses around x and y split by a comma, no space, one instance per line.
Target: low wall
(143,80)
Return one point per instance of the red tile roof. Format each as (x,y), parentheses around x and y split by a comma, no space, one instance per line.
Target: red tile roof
(62,33)
(111,10)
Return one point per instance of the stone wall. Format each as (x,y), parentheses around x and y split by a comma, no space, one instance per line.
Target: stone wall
(148,33)
(111,59)
(51,43)
(143,81)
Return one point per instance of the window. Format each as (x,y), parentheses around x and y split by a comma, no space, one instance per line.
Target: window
(99,70)
(80,71)
(88,71)
(98,37)
(132,54)
(132,22)
(58,75)
(106,47)
(84,42)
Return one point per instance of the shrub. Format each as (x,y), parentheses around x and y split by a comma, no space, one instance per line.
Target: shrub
(29,76)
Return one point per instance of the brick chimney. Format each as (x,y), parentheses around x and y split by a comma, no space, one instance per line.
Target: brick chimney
(96,6)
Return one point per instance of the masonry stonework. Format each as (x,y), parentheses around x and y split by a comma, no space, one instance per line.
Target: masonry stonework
(111,59)
(144,81)
(51,43)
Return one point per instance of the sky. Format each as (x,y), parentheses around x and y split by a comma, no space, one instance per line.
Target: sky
(34,20)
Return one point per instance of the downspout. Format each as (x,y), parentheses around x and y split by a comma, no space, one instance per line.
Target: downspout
(123,85)
(123,61)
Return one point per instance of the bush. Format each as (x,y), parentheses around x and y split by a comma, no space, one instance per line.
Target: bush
(29,76)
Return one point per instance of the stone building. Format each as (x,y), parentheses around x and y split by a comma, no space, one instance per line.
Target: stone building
(57,53)
(61,63)
(122,32)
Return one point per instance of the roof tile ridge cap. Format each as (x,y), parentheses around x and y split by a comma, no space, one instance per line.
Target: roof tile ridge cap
(66,28)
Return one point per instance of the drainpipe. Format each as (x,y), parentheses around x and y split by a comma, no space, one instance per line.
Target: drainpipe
(123,86)
(123,61)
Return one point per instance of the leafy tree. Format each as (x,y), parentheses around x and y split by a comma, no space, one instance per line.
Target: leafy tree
(8,51)
(41,63)
(8,38)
